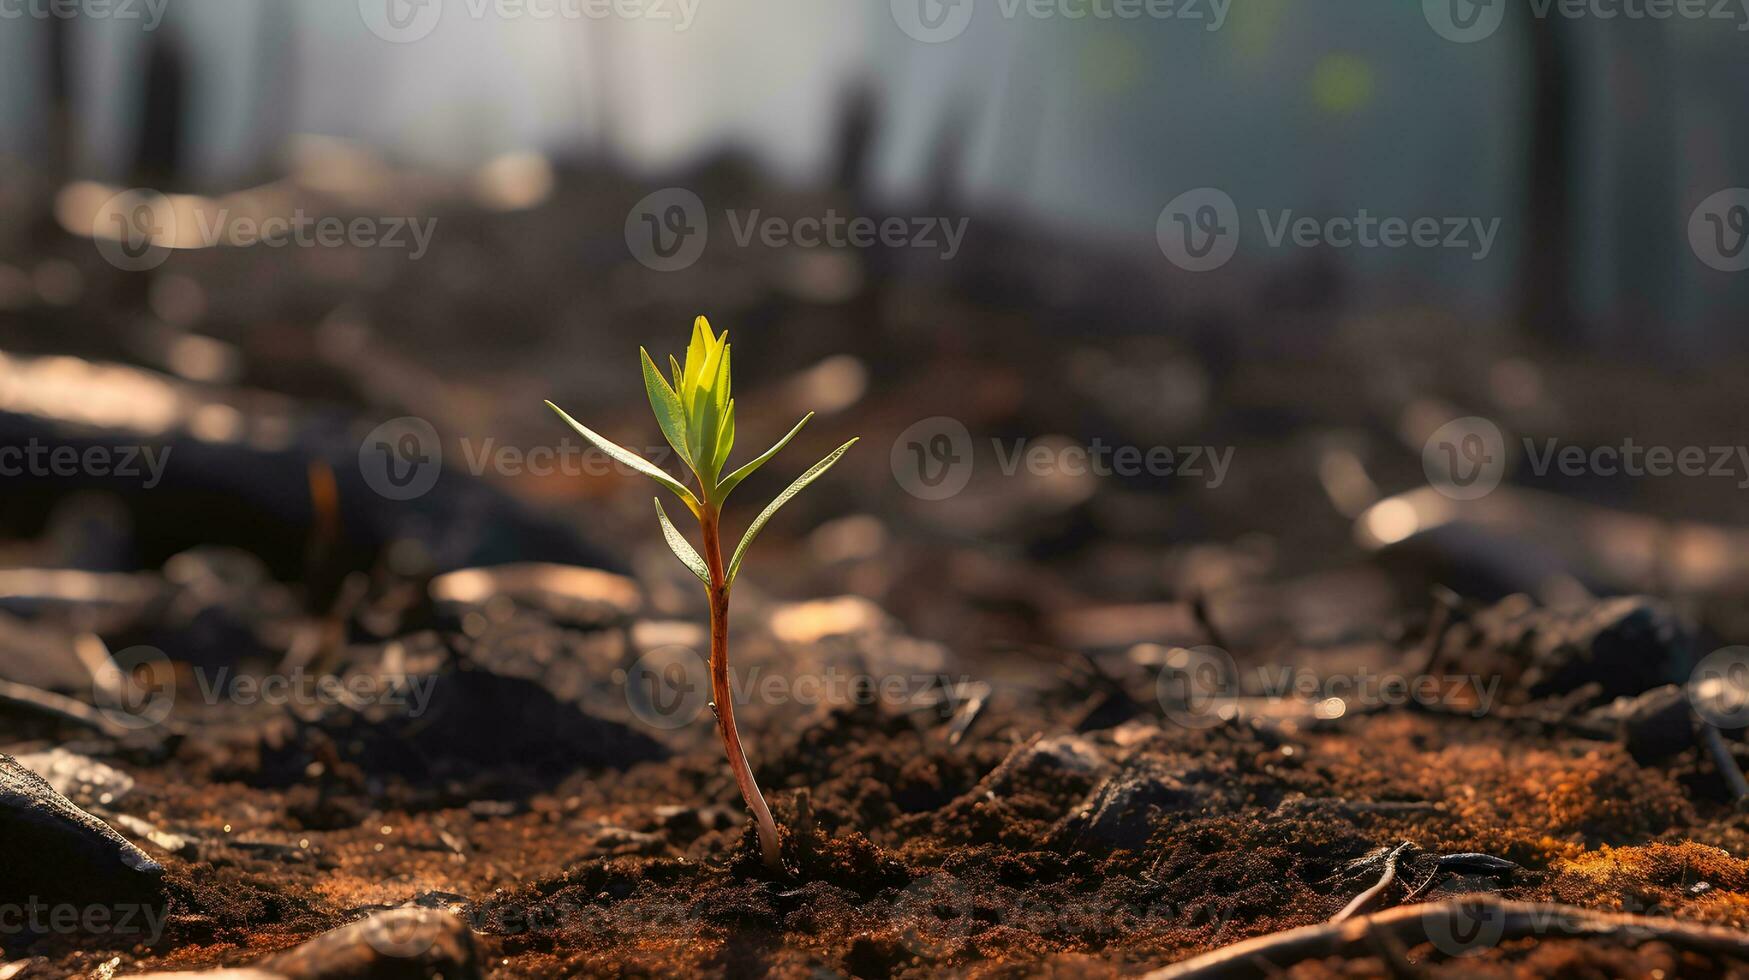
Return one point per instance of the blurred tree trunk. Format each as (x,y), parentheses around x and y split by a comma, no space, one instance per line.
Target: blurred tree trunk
(157,159)
(59,85)
(1647,233)
(57,88)
(277,40)
(1545,276)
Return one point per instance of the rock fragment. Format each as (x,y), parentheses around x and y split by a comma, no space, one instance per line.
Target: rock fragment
(567,594)
(399,944)
(1626,645)
(1122,812)
(1654,725)
(51,850)
(81,779)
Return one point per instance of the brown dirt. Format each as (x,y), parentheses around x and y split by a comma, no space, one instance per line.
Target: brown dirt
(910,857)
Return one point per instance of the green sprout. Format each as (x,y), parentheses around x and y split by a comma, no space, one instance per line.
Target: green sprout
(697,416)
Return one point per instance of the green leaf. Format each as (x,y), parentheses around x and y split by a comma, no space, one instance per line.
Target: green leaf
(720,386)
(725,439)
(695,355)
(677,373)
(814,473)
(630,459)
(666,404)
(704,419)
(734,479)
(683,548)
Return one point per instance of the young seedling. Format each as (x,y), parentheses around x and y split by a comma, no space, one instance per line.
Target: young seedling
(698,418)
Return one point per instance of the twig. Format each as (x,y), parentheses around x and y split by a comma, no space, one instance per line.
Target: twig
(1365,899)
(1475,862)
(1426,883)
(1383,807)
(1199,608)
(1409,924)
(1467,862)
(992,779)
(1725,762)
(14,694)
(969,712)
(1445,605)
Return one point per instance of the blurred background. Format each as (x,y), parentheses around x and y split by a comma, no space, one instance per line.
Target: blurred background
(1099,241)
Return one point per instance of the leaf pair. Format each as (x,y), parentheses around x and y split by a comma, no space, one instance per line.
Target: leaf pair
(696,414)
(697,417)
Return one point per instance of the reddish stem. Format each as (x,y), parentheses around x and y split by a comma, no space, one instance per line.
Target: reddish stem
(721,696)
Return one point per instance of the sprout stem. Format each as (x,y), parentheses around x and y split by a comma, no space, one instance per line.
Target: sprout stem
(721,694)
